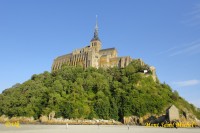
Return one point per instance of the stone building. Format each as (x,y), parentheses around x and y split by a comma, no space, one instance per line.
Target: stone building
(172,113)
(92,56)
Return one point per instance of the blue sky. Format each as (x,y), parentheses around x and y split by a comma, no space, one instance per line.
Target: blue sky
(164,33)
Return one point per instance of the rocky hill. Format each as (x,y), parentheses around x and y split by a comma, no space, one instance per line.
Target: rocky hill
(75,93)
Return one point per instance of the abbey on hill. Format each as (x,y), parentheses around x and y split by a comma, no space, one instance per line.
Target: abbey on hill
(94,56)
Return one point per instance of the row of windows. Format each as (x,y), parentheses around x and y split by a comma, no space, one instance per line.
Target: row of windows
(94,44)
(79,57)
(73,62)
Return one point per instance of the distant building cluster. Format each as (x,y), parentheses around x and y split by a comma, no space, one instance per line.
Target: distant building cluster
(92,56)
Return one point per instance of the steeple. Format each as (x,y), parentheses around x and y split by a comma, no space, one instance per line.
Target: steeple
(96,38)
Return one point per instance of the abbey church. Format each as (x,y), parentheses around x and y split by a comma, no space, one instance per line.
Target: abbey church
(92,56)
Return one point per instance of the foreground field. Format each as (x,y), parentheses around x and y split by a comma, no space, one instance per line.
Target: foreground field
(92,129)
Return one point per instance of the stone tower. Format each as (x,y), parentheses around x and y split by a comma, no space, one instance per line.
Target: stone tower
(95,42)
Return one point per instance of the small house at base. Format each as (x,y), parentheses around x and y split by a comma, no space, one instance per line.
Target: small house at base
(172,113)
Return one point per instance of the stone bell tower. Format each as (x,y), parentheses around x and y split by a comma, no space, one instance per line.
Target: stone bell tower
(95,42)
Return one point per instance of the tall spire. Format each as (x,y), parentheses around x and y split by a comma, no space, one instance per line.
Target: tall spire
(96,26)
(96,32)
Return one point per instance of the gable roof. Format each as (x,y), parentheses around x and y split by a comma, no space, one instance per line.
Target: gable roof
(107,49)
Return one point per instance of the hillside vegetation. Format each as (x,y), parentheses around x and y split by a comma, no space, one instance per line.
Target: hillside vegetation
(74,92)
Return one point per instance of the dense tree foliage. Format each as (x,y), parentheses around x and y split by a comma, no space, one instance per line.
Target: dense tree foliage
(74,92)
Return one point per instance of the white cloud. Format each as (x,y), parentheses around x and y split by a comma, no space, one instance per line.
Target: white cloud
(193,17)
(195,48)
(167,51)
(191,48)
(187,83)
